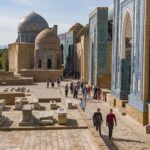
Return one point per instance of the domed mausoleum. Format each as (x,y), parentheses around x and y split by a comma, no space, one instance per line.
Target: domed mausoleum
(36,52)
(47,50)
(30,26)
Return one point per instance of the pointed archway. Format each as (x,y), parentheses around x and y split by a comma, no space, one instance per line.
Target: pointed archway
(126,55)
(39,63)
(49,64)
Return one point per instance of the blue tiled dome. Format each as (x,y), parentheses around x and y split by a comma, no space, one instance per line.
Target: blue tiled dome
(30,26)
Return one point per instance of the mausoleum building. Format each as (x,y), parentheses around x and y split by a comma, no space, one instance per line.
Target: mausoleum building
(37,48)
(100,47)
(131,57)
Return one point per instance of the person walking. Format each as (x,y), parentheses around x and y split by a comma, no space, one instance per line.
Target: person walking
(82,104)
(58,82)
(52,83)
(98,120)
(84,92)
(47,81)
(89,89)
(75,92)
(110,120)
(82,85)
(71,88)
(99,93)
(66,90)
(95,93)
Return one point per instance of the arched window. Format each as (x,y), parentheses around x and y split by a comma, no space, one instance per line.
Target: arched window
(49,64)
(58,63)
(62,52)
(39,63)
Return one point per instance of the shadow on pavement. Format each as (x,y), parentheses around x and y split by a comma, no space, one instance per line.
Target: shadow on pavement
(111,145)
(126,140)
(72,122)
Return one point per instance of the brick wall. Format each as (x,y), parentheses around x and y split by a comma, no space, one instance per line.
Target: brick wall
(41,75)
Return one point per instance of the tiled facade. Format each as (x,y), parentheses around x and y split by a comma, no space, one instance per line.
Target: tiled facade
(130,78)
(98,48)
(68,42)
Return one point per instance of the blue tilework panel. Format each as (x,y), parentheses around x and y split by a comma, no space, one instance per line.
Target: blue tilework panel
(121,88)
(102,39)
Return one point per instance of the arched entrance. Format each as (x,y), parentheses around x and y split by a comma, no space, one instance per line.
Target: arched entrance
(58,63)
(49,64)
(92,63)
(126,54)
(62,52)
(39,63)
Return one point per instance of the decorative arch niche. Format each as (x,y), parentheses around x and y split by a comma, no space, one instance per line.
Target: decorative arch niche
(126,51)
(126,46)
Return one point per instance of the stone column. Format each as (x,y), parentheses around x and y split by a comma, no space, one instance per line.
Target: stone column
(146,54)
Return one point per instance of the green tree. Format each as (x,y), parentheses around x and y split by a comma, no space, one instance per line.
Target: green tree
(3,61)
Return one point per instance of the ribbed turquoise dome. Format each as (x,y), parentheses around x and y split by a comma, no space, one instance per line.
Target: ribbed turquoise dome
(30,26)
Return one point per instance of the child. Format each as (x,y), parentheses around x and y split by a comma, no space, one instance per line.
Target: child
(82,104)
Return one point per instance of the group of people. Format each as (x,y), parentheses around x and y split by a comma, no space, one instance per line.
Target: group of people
(85,89)
(110,121)
(97,94)
(52,82)
(74,89)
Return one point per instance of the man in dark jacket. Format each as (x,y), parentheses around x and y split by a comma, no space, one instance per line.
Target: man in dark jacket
(97,120)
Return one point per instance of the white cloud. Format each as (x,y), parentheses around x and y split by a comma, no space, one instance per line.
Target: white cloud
(62,27)
(30,2)
(8,29)
(8,23)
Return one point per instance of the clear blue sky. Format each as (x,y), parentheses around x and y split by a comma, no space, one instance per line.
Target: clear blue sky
(62,12)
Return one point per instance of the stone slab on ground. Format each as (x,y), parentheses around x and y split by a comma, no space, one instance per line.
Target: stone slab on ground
(3,120)
(45,93)
(62,116)
(46,115)
(74,118)
(2,103)
(46,122)
(27,118)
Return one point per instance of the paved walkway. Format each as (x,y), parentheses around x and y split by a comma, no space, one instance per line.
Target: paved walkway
(128,135)
(47,140)
(75,139)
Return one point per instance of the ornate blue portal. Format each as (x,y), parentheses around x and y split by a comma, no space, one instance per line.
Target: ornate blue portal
(98,50)
(68,41)
(128,47)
